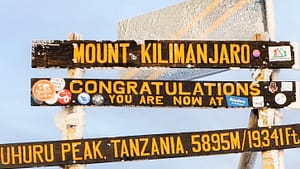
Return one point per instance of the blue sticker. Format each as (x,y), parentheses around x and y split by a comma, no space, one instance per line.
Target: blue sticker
(84,98)
(236,101)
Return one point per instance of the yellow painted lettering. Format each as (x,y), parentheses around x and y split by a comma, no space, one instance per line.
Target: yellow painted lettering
(27,154)
(124,149)
(78,53)
(212,102)
(228,89)
(224,58)
(201,53)
(76,86)
(131,87)
(234,53)
(190,56)
(134,147)
(235,140)
(157,85)
(65,148)
(124,47)
(112,98)
(49,158)
(164,145)
(287,135)
(100,56)
(180,90)
(150,100)
(159,55)
(224,141)
(215,58)
(37,153)
(119,87)
(179,145)
(210,88)
(18,154)
(171,53)
(5,158)
(178,53)
(242,89)
(154,53)
(143,100)
(145,88)
(254,89)
(145,142)
(115,143)
(159,100)
(76,150)
(172,143)
(154,148)
(170,91)
(103,88)
(90,86)
(145,56)
(90,53)
(219,100)
(198,90)
(96,149)
(113,53)
(245,53)
(87,153)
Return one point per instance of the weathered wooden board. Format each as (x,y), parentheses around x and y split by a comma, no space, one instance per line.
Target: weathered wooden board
(147,147)
(159,93)
(166,53)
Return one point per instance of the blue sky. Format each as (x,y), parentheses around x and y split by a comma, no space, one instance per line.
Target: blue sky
(24,21)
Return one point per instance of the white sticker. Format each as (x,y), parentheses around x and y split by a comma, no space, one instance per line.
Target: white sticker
(280,98)
(98,99)
(53,100)
(280,53)
(58,83)
(287,86)
(258,101)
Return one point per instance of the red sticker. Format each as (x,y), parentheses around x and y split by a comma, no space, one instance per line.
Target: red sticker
(64,96)
(43,90)
(273,87)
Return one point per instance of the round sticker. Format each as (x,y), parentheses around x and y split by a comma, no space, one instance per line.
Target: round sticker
(64,96)
(84,98)
(256,53)
(97,99)
(53,100)
(43,90)
(58,83)
(280,98)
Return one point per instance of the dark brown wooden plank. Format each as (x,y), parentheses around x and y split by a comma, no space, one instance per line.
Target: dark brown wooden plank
(160,93)
(163,53)
(148,147)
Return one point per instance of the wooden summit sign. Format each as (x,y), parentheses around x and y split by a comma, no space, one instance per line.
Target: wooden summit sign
(164,53)
(160,93)
(156,146)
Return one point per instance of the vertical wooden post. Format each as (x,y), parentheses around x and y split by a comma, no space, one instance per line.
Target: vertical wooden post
(71,120)
(247,159)
(263,117)
(268,117)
